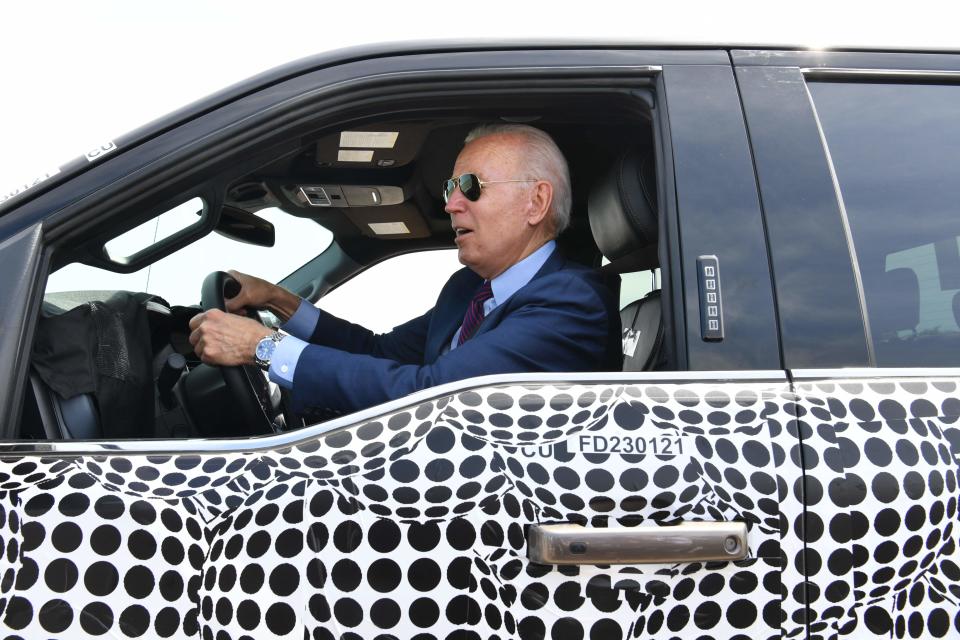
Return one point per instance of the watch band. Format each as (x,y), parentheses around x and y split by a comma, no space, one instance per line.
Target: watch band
(263,354)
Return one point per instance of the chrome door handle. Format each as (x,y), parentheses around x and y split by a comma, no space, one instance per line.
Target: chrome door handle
(684,542)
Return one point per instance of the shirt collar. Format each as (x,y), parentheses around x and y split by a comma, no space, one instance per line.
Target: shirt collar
(508,282)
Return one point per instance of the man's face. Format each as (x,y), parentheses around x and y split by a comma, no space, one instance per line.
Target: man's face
(501,227)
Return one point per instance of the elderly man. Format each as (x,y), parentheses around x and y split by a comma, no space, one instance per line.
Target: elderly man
(517,306)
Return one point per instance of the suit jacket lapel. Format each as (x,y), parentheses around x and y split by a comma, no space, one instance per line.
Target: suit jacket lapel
(554,263)
(449,312)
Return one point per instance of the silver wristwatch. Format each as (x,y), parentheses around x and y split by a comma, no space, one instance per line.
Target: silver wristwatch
(265,349)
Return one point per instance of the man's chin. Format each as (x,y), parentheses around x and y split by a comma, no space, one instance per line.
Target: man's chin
(467,260)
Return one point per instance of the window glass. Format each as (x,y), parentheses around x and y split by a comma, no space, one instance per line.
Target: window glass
(153,231)
(636,285)
(896,152)
(177,278)
(393,291)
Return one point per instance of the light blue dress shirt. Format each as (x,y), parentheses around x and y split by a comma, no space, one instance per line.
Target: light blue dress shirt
(301,324)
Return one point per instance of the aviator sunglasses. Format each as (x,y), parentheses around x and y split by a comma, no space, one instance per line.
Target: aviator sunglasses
(470,186)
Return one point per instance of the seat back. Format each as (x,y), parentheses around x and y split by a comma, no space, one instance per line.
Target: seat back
(73,418)
(642,332)
(623,219)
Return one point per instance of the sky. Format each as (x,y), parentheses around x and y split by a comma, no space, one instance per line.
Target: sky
(78,74)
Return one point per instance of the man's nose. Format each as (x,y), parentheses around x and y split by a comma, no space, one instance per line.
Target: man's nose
(456,203)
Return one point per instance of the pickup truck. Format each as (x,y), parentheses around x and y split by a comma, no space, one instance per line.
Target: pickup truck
(777,457)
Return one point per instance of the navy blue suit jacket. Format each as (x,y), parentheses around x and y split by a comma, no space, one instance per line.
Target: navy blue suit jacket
(564,319)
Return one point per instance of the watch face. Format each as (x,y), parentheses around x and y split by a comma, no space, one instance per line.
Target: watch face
(265,349)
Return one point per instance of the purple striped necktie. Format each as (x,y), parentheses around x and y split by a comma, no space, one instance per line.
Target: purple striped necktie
(474,315)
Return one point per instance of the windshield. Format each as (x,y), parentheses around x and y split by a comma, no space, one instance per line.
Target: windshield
(177,277)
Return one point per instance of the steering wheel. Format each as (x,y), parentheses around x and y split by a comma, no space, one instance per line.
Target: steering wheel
(246,384)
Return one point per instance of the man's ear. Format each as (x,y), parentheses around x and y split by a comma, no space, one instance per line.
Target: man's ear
(541,198)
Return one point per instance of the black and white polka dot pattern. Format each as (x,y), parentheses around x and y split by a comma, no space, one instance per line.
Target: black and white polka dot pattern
(882,459)
(413,524)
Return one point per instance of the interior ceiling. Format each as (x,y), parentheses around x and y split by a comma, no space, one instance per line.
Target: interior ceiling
(590,129)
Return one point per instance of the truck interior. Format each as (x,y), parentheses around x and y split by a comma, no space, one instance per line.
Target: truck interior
(372,179)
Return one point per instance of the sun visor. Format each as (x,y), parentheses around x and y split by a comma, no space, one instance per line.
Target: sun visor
(371,146)
(387,223)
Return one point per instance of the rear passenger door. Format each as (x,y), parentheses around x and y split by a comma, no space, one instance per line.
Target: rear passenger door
(857,158)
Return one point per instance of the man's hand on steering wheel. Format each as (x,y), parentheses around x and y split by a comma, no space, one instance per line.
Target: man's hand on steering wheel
(256,293)
(229,341)
(226,339)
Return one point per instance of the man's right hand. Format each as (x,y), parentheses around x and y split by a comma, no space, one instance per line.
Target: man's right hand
(256,293)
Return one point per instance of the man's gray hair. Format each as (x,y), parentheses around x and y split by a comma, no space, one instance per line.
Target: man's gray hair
(544,161)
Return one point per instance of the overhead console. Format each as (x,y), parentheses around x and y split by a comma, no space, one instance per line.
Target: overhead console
(335,195)
(377,211)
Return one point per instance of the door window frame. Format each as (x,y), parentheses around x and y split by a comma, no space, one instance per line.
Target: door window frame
(205,150)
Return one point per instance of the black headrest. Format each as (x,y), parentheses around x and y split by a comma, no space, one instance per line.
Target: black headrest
(623,207)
